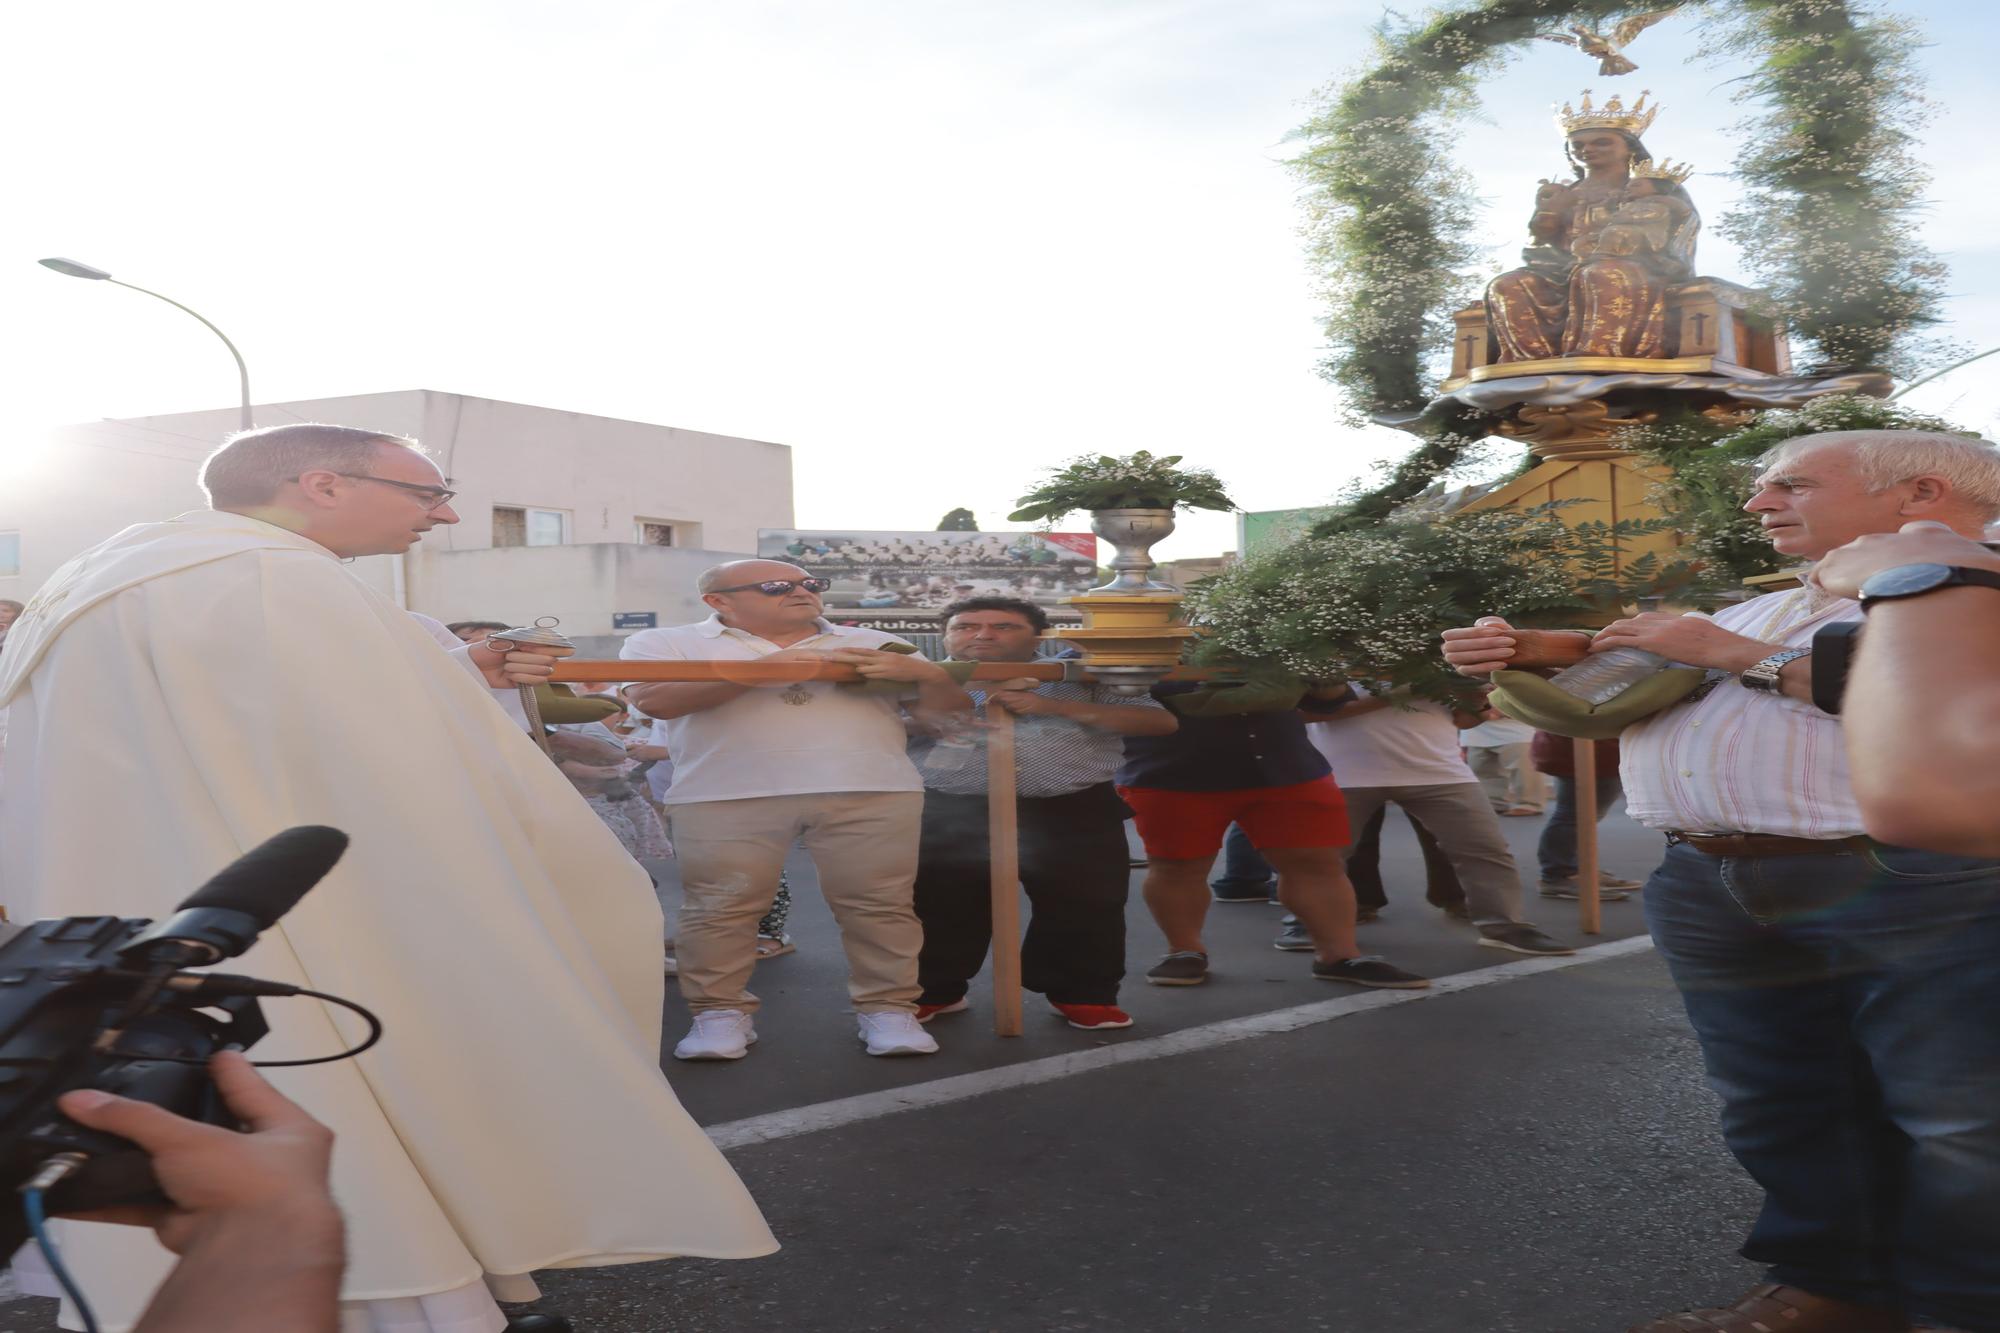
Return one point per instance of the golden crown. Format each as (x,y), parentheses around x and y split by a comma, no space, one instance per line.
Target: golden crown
(1665,169)
(1611,116)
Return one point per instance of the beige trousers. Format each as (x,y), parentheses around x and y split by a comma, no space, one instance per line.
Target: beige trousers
(1507,774)
(864,845)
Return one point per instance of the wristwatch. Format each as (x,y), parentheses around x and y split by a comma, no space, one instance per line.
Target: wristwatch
(1764,675)
(1890,585)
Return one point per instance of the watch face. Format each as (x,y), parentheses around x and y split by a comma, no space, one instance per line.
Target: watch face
(1904,580)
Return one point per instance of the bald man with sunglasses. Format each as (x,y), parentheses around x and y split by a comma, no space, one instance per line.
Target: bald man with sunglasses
(760,767)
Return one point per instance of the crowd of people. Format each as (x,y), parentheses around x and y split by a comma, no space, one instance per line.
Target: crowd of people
(1840,982)
(884,786)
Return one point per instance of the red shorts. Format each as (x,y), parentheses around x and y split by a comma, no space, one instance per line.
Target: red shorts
(1188,825)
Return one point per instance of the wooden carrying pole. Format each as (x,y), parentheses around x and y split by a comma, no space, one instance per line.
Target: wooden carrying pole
(582,671)
(1004,858)
(1589,902)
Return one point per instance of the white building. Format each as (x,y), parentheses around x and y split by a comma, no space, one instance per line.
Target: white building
(594,520)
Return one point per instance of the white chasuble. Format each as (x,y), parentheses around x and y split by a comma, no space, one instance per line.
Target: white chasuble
(187,689)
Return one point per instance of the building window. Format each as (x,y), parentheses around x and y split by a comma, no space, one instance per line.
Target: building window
(10,553)
(652,532)
(520,526)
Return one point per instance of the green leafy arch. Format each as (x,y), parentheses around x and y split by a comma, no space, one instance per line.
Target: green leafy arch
(1826,223)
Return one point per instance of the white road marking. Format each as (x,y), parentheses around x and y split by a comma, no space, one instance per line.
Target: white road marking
(868,1106)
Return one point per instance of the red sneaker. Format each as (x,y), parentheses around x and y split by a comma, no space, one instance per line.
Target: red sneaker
(926,1012)
(1093,1017)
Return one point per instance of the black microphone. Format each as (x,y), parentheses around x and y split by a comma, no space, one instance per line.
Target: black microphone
(223,917)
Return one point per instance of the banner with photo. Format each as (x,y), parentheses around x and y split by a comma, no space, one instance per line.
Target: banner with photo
(886,574)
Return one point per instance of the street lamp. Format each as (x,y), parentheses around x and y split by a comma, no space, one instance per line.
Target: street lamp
(70,268)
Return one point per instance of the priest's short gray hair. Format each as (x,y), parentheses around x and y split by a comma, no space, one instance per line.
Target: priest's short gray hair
(1885,458)
(252,464)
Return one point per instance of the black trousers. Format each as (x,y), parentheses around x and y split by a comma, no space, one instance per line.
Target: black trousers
(1074,867)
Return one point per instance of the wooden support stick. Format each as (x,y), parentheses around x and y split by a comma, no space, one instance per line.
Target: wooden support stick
(584,671)
(1589,902)
(1004,857)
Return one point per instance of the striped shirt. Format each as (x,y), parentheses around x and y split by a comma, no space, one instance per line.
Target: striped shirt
(1746,761)
(1053,756)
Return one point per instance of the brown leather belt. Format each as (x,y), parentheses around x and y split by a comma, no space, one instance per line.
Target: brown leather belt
(1764,844)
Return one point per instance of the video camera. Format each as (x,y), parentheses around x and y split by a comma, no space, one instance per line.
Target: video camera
(102,1002)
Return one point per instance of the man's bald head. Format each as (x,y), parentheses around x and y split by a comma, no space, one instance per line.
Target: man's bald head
(736,573)
(734,592)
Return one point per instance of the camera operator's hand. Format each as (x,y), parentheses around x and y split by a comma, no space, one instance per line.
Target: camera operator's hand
(1845,569)
(252,1217)
(275,1175)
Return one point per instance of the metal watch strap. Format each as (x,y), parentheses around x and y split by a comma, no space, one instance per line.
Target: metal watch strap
(1764,675)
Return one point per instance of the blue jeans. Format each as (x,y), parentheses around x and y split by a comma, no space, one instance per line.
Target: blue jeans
(1244,872)
(1848,1008)
(1557,849)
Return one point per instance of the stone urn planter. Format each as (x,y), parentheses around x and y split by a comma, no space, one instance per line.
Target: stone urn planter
(1132,534)
(1132,631)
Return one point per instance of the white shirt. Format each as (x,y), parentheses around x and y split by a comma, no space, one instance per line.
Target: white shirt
(1744,761)
(812,736)
(1393,747)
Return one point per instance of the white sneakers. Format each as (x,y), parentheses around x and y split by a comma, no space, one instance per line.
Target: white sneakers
(728,1034)
(895,1033)
(717,1034)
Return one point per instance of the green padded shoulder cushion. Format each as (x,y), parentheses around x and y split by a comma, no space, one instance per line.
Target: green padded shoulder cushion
(559,705)
(958,671)
(1529,698)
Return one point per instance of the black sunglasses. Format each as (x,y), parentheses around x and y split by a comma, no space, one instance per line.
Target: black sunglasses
(779,587)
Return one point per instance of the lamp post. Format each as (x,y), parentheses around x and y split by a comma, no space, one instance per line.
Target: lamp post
(70,268)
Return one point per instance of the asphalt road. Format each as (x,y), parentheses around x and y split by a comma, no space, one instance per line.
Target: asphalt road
(1536,1154)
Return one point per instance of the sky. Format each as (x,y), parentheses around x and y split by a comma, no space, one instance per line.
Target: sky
(936,246)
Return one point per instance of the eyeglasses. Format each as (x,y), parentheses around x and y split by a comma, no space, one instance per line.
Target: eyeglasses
(433,497)
(779,587)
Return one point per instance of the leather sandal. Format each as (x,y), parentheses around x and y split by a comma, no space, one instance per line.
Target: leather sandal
(1773,1308)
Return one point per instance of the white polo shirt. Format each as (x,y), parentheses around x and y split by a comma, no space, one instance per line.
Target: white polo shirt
(792,740)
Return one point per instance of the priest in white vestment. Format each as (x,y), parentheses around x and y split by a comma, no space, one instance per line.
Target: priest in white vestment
(514,1117)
